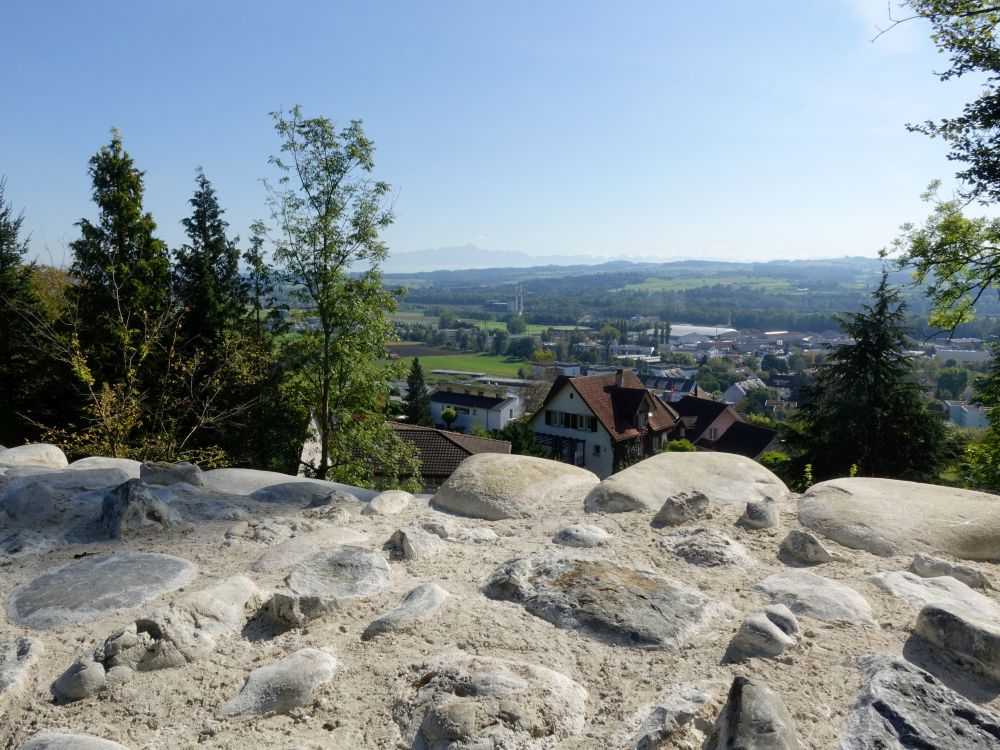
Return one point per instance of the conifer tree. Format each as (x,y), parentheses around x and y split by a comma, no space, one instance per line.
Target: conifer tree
(863,411)
(418,403)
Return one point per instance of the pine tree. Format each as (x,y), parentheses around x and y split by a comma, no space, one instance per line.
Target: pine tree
(122,271)
(418,403)
(206,275)
(862,410)
(983,456)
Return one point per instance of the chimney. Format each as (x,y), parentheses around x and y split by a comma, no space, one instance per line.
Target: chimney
(619,378)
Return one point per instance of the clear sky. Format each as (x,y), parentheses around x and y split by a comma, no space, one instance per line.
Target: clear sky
(772,129)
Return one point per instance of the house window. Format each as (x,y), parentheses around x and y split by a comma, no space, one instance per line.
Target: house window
(713,433)
(462,409)
(475,411)
(511,413)
(597,450)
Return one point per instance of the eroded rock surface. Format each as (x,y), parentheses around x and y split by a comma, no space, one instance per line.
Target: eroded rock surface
(477,702)
(131,506)
(494,486)
(341,573)
(942,590)
(581,535)
(805,548)
(388,503)
(32,504)
(928,566)
(17,661)
(814,596)
(61,741)
(414,542)
(754,718)
(35,454)
(94,587)
(724,478)
(970,641)
(613,603)
(162,472)
(678,705)
(888,517)
(707,548)
(285,554)
(280,687)
(681,508)
(760,514)
(901,706)
(421,604)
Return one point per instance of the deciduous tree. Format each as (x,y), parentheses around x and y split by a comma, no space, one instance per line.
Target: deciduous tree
(418,402)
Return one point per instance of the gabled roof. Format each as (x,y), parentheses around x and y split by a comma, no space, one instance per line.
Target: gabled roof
(743,438)
(469,399)
(616,406)
(441,452)
(661,383)
(698,413)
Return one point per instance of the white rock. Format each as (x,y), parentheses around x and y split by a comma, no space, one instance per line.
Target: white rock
(676,707)
(31,504)
(61,741)
(292,551)
(413,542)
(927,566)
(814,596)
(681,508)
(707,548)
(804,547)
(387,503)
(341,573)
(758,636)
(724,478)
(162,472)
(17,661)
(581,535)
(280,687)
(420,605)
(760,514)
(495,486)
(888,517)
(943,590)
(128,465)
(248,481)
(23,543)
(35,454)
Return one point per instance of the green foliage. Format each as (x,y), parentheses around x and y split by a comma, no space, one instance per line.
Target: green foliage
(517,325)
(523,347)
(449,415)
(682,446)
(522,439)
(418,403)
(773,362)
(716,375)
(953,380)
(500,341)
(983,456)
(330,213)
(777,462)
(863,411)
(755,402)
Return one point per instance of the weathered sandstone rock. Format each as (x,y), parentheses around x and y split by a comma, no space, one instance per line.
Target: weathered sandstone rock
(17,662)
(489,704)
(681,508)
(413,542)
(388,503)
(131,506)
(35,454)
(95,586)
(289,552)
(803,547)
(581,535)
(130,466)
(758,636)
(421,604)
(901,706)
(61,741)
(280,687)
(613,603)
(971,641)
(927,566)
(754,718)
(495,486)
(724,478)
(21,544)
(341,573)
(814,596)
(248,481)
(888,517)
(760,514)
(707,548)
(678,705)
(943,590)
(32,504)
(162,472)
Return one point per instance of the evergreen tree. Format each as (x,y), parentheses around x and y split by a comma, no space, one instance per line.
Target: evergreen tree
(862,411)
(984,456)
(121,269)
(207,278)
(418,403)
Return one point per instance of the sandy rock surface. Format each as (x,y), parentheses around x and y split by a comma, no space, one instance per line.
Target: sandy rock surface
(501,639)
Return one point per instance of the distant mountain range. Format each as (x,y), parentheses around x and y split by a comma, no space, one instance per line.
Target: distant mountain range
(468,257)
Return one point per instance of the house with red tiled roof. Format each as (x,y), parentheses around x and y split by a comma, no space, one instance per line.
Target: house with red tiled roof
(602,421)
(440,451)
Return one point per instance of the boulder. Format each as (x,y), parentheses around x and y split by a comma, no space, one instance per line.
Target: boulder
(17,661)
(613,603)
(927,566)
(280,687)
(681,508)
(413,542)
(388,503)
(943,590)
(805,548)
(130,507)
(581,535)
(341,573)
(31,504)
(130,466)
(312,494)
(477,702)
(249,481)
(495,486)
(814,596)
(22,544)
(61,741)
(971,641)
(182,632)
(760,514)
(902,706)
(724,478)
(421,604)
(888,517)
(707,548)
(292,551)
(677,706)
(94,587)
(758,636)
(784,618)
(36,454)
(80,479)
(754,718)
(163,472)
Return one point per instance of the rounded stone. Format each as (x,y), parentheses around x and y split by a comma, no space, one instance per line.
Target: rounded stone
(341,573)
(61,741)
(94,587)
(36,454)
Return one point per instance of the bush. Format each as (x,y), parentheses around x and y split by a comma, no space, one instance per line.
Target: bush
(683,445)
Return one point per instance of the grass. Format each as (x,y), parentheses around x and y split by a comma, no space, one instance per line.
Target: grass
(499,325)
(487,363)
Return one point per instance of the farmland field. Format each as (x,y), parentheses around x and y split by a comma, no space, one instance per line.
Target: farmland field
(489,364)
(682,283)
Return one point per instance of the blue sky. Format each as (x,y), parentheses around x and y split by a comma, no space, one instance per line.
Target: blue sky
(727,130)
